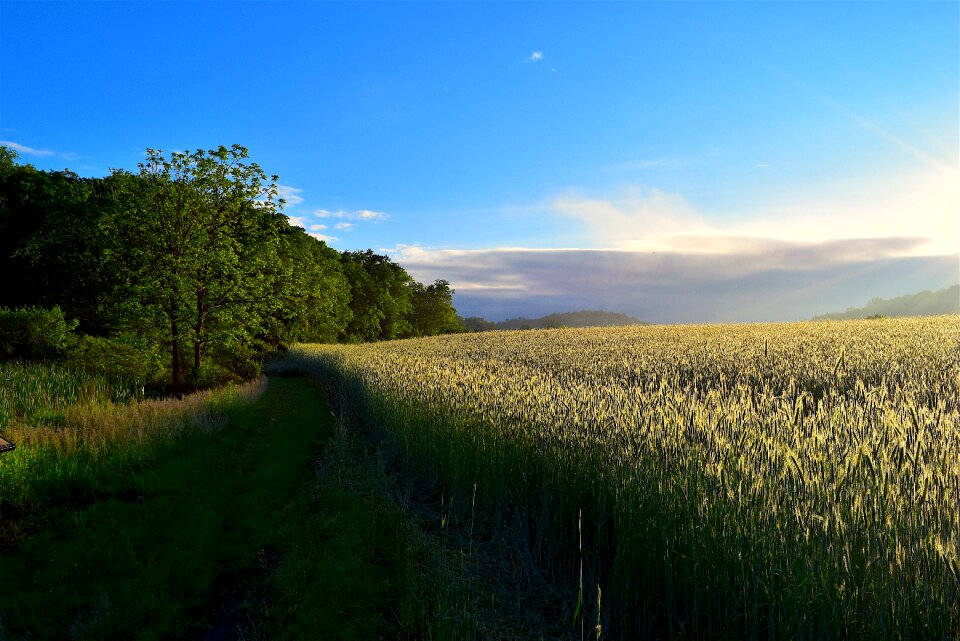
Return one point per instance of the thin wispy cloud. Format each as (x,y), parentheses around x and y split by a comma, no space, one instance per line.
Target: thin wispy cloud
(314,229)
(665,162)
(297,221)
(866,124)
(919,204)
(30,151)
(922,203)
(345,221)
(882,133)
(537,56)
(290,195)
(361,215)
(636,218)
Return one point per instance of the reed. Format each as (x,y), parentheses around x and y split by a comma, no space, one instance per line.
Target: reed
(40,392)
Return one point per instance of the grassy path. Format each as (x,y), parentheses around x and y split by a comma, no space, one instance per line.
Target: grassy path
(231,536)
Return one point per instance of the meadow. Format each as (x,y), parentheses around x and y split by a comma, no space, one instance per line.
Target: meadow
(80,435)
(243,512)
(32,392)
(764,481)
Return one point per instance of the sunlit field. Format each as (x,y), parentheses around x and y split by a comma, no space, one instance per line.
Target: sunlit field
(795,481)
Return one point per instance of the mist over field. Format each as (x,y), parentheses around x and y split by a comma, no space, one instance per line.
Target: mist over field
(678,288)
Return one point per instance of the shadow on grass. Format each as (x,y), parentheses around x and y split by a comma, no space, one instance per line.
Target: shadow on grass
(228,537)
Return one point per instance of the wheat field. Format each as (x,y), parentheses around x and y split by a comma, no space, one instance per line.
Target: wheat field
(766,481)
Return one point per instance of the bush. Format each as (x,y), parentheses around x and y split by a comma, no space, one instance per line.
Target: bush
(230,364)
(34,333)
(122,357)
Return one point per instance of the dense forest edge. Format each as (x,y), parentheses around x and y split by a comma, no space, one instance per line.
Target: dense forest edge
(925,303)
(185,274)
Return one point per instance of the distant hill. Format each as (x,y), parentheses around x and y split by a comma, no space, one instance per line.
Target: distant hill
(926,303)
(585,318)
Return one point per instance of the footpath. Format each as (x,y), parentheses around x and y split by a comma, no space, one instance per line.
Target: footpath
(241,534)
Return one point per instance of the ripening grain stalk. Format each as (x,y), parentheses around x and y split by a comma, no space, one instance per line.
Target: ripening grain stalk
(777,481)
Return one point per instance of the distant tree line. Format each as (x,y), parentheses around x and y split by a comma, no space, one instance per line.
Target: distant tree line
(584,318)
(186,272)
(925,303)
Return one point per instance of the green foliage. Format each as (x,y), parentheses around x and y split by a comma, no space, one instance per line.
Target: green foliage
(433,311)
(313,294)
(34,332)
(52,249)
(477,324)
(200,234)
(190,257)
(926,303)
(123,356)
(381,298)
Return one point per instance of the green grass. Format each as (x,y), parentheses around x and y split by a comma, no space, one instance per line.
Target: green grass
(41,392)
(275,526)
(93,451)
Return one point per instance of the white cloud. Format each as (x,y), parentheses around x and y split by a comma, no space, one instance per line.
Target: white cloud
(364,215)
(922,203)
(317,227)
(344,226)
(536,56)
(297,221)
(634,219)
(931,160)
(290,194)
(750,280)
(30,151)
(654,255)
(324,237)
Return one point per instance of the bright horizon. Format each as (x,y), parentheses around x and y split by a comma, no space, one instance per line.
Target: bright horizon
(676,162)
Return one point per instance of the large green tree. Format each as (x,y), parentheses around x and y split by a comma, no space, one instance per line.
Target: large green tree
(200,234)
(50,242)
(433,312)
(381,299)
(313,294)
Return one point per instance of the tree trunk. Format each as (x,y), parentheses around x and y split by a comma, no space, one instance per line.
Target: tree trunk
(176,382)
(196,358)
(198,334)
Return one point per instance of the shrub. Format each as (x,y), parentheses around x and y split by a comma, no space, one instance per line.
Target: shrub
(34,333)
(121,357)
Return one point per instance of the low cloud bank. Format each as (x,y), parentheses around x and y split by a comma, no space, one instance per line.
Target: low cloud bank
(708,279)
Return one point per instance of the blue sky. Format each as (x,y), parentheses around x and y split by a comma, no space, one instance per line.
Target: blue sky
(676,161)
